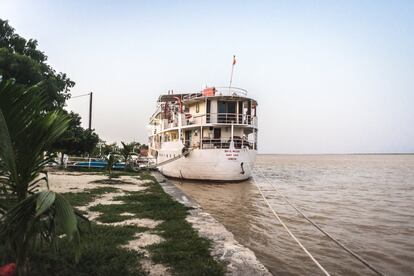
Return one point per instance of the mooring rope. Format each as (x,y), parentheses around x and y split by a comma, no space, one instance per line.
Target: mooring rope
(355,255)
(286,228)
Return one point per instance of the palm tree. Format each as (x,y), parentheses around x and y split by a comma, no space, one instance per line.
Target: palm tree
(110,162)
(126,151)
(26,133)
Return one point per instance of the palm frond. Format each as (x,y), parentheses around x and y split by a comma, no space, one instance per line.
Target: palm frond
(44,201)
(26,132)
(7,155)
(39,218)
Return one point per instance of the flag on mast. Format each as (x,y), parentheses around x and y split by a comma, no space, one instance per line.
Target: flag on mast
(232,69)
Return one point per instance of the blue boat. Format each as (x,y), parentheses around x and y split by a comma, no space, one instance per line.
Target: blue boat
(98,164)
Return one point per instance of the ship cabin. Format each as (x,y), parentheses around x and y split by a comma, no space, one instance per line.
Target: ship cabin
(215,118)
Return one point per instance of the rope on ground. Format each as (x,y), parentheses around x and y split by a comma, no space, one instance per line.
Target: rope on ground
(320,229)
(286,228)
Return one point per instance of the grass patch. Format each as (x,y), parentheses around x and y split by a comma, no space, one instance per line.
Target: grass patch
(102,254)
(183,250)
(102,190)
(80,169)
(147,176)
(84,198)
(111,218)
(111,181)
(112,213)
(119,173)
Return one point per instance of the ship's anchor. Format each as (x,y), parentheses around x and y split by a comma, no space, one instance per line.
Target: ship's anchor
(241,165)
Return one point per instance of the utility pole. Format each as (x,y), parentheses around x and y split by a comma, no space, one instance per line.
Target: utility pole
(90,110)
(90,94)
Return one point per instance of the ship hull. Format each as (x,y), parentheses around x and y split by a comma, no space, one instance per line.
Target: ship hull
(207,164)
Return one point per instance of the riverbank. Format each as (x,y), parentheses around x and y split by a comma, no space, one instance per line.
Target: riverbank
(141,226)
(239,259)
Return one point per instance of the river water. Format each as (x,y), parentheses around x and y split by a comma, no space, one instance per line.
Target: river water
(365,201)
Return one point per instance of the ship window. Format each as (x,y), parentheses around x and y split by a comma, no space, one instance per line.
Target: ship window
(231,107)
(222,107)
(197,107)
(208,106)
(226,107)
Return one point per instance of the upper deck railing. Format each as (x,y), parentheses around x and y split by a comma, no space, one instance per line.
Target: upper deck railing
(221,143)
(210,118)
(217,91)
(222,119)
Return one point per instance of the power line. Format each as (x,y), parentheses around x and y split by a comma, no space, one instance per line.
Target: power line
(90,106)
(78,96)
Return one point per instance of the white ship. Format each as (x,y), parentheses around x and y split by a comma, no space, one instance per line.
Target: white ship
(208,135)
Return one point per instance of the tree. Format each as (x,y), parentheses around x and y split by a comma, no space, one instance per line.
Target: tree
(126,151)
(26,132)
(109,148)
(76,140)
(21,60)
(136,148)
(111,160)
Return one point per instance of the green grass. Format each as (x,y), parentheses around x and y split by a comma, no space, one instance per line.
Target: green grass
(80,169)
(102,254)
(111,181)
(104,170)
(84,198)
(183,250)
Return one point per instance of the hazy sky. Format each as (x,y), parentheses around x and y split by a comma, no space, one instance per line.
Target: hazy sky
(329,76)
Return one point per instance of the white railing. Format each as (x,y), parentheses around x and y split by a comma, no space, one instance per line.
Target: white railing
(222,143)
(222,118)
(231,91)
(218,91)
(206,119)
